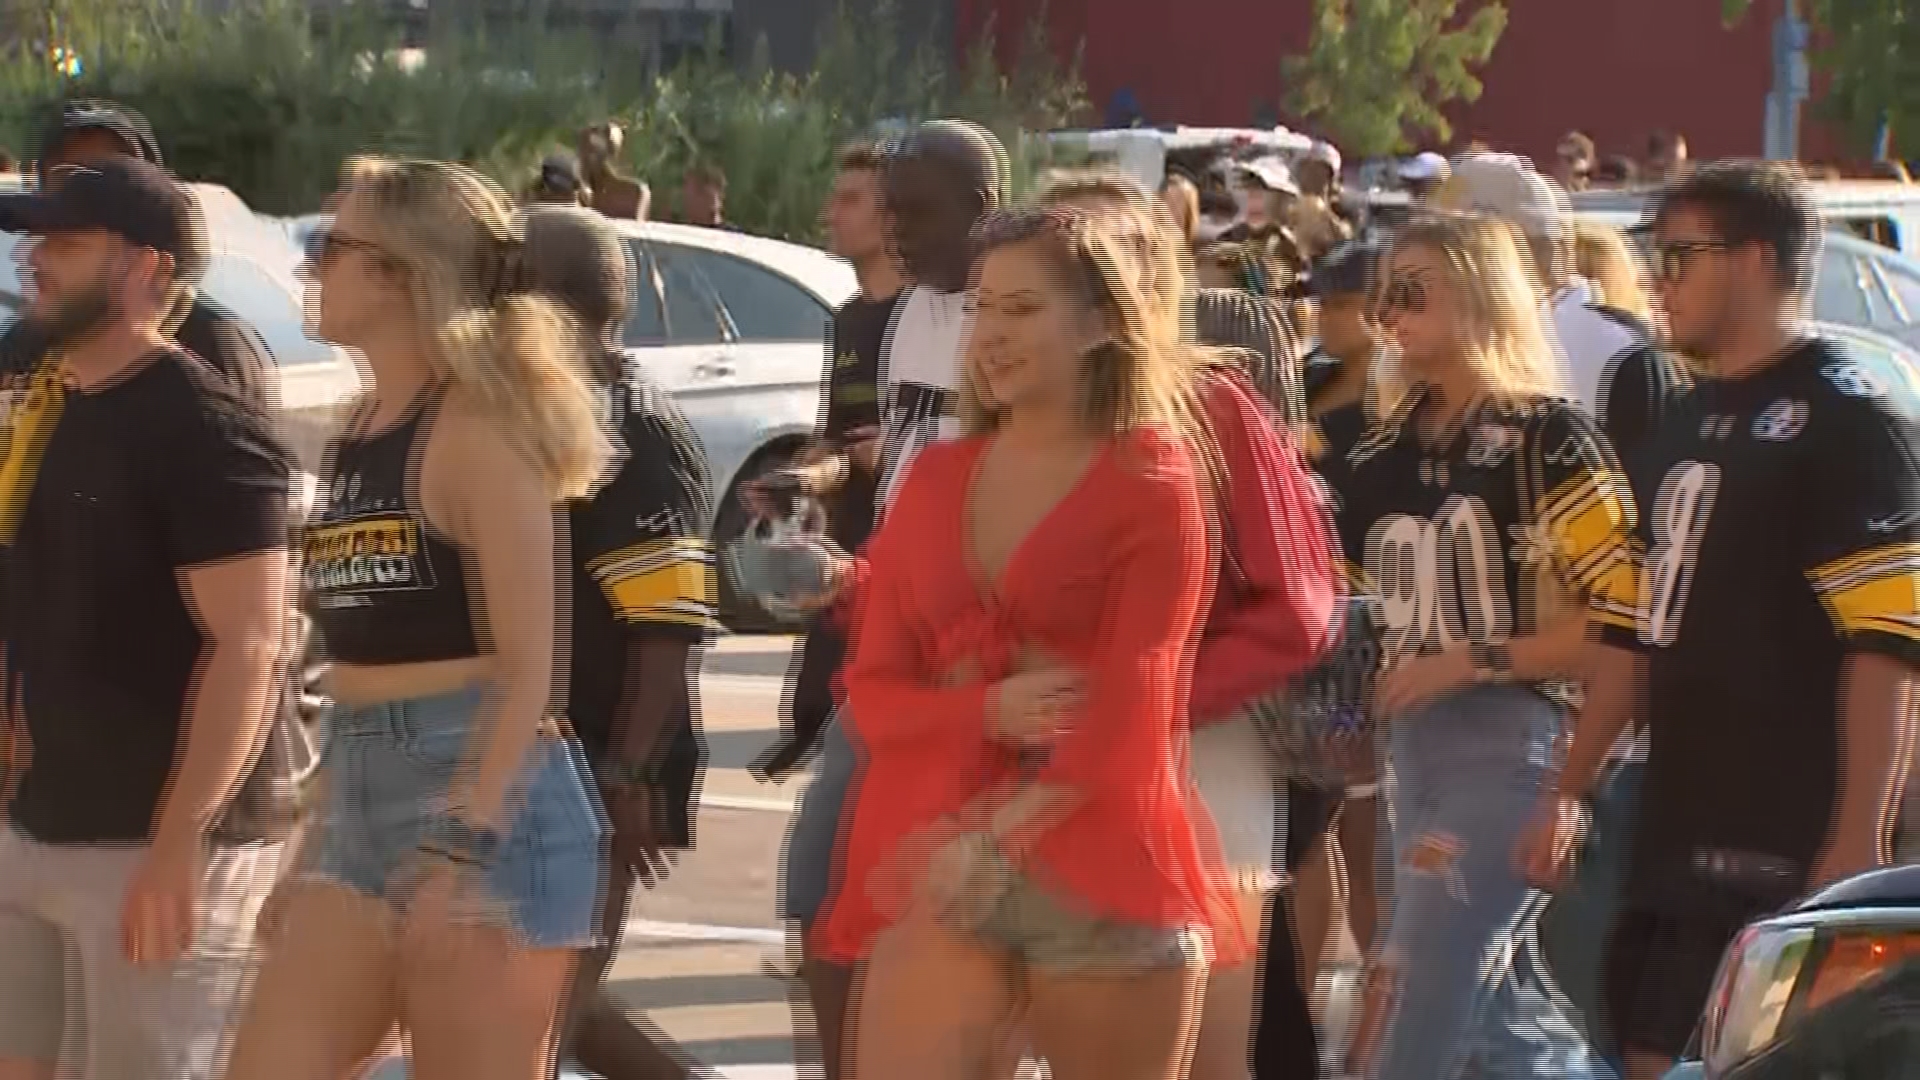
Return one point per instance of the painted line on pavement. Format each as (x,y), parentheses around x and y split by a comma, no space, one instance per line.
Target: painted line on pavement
(650,929)
(747,802)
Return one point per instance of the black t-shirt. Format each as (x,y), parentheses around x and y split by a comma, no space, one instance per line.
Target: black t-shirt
(1780,530)
(225,341)
(105,497)
(850,400)
(642,564)
(1640,386)
(1477,540)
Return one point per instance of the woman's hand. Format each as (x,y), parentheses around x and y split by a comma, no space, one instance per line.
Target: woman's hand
(1545,851)
(966,879)
(1035,706)
(1420,680)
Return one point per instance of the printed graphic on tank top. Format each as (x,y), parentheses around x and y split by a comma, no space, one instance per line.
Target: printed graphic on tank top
(920,368)
(364,543)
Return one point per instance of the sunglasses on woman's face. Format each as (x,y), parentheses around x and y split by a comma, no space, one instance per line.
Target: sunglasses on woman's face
(324,246)
(1406,293)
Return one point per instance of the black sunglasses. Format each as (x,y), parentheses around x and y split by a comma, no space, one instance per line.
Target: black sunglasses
(1408,294)
(325,245)
(1671,258)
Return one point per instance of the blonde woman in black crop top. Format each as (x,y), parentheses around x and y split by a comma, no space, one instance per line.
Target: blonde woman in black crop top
(452,869)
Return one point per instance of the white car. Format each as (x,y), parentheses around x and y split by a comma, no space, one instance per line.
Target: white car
(734,326)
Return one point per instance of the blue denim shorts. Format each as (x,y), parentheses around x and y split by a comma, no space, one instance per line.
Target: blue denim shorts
(385,771)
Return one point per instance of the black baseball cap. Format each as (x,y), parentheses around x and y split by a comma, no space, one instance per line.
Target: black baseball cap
(1347,270)
(134,199)
(92,114)
(561,173)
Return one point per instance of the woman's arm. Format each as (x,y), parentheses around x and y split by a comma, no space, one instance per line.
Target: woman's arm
(1279,625)
(497,507)
(894,698)
(1136,683)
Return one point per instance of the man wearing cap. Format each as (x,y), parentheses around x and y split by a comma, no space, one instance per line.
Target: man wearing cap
(88,130)
(1608,357)
(643,608)
(1424,172)
(143,561)
(558,184)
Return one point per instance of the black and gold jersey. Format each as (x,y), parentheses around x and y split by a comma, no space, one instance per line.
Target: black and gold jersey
(1780,531)
(1487,537)
(641,560)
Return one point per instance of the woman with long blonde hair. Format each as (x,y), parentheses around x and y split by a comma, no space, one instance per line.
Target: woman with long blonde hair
(452,870)
(1603,257)
(1269,620)
(1486,515)
(1026,849)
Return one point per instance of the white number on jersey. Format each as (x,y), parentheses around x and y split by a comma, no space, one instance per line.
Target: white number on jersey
(1441,581)
(1678,524)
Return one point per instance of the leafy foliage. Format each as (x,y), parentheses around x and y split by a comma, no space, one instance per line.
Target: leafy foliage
(1377,72)
(1870,52)
(268,101)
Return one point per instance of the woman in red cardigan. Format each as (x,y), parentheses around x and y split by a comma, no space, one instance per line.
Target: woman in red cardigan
(1026,837)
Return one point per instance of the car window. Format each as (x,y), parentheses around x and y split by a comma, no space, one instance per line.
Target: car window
(250,292)
(695,314)
(1841,293)
(763,305)
(645,323)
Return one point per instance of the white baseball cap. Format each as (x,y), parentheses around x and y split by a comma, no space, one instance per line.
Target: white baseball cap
(1506,186)
(1425,165)
(1271,173)
(1325,152)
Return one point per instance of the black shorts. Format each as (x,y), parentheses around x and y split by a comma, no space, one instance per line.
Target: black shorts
(1658,972)
(1310,813)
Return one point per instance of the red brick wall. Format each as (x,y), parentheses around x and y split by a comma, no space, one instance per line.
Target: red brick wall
(1616,69)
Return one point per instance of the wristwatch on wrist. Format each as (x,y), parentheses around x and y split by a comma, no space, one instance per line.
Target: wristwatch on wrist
(1492,664)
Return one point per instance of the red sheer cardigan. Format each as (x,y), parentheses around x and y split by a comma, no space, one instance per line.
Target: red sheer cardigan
(1113,580)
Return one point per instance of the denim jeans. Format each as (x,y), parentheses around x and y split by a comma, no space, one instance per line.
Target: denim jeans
(1576,926)
(811,869)
(1466,777)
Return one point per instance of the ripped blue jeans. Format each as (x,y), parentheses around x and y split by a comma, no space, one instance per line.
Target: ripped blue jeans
(1472,995)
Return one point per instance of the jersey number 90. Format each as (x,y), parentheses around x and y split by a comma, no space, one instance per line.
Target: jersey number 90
(1440,581)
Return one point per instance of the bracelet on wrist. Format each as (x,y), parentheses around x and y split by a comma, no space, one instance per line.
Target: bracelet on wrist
(626,774)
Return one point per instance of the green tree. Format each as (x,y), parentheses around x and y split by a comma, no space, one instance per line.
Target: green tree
(1868,51)
(1377,72)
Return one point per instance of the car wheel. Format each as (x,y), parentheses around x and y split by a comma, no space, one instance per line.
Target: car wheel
(739,611)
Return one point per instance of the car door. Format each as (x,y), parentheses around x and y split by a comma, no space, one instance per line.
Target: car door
(1898,312)
(678,327)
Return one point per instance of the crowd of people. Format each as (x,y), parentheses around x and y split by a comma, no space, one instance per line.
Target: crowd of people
(1094,516)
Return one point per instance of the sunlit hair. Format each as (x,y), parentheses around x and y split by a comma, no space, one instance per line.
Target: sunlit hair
(1143,226)
(1488,278)
(1603,256)
(453,235)
(1137,379)
(1183,202)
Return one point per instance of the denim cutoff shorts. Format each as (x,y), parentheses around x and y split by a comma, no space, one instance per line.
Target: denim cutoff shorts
(1044,932)
(385,771)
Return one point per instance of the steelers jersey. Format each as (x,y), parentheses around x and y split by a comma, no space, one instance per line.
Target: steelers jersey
(641,562)
(1520,515)
(1780,531)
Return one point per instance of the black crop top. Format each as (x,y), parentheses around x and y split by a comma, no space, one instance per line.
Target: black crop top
(384,586)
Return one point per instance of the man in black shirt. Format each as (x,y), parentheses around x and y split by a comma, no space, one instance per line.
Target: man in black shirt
(643,606)
(1778,618)
(143,548)
(88,131)
(842,466)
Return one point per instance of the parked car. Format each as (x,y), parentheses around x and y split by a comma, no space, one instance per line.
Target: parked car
(734,326)
(1829,988)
